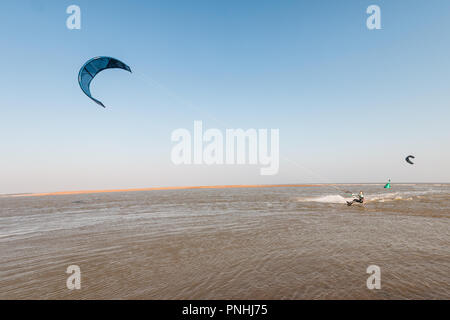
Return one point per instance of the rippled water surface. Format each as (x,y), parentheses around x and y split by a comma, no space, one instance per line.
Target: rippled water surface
(264,243)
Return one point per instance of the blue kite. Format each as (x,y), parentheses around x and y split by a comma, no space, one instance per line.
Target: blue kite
(91,68)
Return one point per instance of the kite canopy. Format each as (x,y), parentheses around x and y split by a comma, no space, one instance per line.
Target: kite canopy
(91,68)
(408,159)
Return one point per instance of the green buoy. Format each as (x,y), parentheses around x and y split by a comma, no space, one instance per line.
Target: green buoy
(388,185)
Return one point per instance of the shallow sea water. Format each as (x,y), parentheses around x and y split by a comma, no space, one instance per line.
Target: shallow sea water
(263,243)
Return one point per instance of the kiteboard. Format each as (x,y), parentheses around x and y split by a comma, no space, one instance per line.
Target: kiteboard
(351,203)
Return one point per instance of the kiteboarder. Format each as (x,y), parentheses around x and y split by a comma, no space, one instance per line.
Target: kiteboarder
(360,198)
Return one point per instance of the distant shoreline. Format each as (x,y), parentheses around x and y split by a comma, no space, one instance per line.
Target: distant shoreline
(61,193)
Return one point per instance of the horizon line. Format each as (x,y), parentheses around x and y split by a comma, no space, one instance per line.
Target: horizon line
(75,192)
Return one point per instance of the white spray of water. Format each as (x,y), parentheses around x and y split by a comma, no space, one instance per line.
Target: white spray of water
(324,199)
(334,198)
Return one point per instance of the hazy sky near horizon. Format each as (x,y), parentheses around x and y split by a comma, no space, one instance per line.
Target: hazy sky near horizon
(350,103)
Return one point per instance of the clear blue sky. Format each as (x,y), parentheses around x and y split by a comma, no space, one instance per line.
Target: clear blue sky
(350,103)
